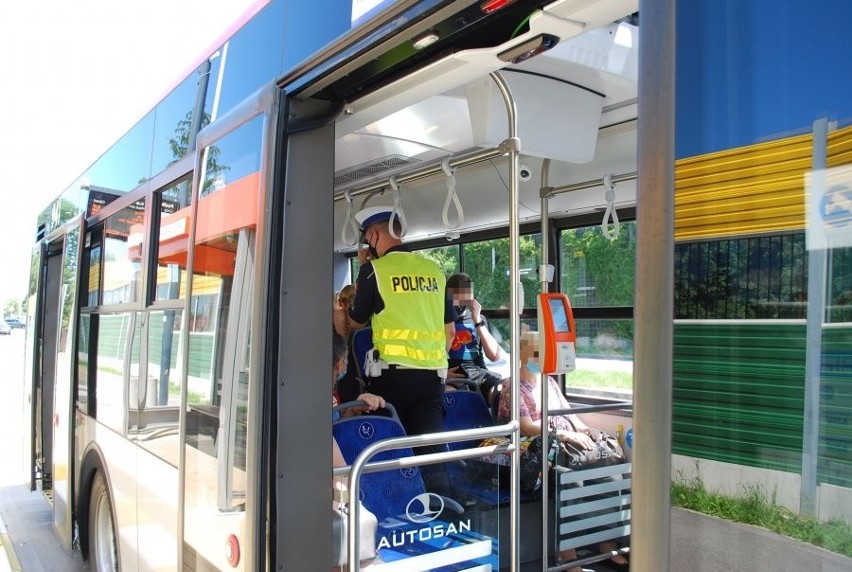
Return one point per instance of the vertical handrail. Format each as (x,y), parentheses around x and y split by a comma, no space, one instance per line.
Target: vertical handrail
(817,260)
(545,426)
(653,313)
(513,145)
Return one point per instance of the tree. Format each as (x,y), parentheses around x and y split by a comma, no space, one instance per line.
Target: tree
(12,308)
(180,146)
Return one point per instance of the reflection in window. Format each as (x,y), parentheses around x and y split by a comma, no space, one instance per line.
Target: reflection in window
(175,128)
(93,262)
(83,356)
(219,324)
(156,409)
(742,278)
(234,161)
(123,238)
(128,161)
(597,271)
(113,332)
(170,279)
(840,286)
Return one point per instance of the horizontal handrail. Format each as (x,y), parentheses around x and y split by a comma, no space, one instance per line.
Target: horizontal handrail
(358,465)
(418,172)
(592,408)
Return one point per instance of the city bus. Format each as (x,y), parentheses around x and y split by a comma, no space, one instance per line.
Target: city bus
(181,293)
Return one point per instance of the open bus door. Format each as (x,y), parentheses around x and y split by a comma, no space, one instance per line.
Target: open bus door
(50,343)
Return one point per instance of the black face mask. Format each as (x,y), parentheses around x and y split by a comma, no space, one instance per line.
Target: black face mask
(460,310)
(373,252)
(363,240)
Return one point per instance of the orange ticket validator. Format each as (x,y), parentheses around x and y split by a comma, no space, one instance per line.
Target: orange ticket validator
(558,333)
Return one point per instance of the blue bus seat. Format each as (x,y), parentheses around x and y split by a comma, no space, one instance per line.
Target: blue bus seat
(398,498)
(384,493)
(476,479)
(465,410)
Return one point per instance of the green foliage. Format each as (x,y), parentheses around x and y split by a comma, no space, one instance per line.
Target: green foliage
(597,271)
(742,278)
(758,508)
(447,257)
(487,263)
(613,380)
(13,308)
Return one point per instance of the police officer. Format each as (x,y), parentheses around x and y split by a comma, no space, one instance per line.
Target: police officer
(403,296)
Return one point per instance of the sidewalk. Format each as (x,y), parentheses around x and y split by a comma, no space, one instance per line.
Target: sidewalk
(8,559)
(701,542)
(28,537)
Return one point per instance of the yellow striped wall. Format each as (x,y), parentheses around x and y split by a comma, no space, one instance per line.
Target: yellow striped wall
(749,190)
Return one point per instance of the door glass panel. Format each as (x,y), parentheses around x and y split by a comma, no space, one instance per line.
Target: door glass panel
(219,322)
(112,345)
(83,356)
(155,392)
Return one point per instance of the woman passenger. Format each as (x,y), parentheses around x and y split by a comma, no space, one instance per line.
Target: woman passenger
(567,428)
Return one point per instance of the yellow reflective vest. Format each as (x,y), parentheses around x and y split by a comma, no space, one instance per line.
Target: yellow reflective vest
(410,329)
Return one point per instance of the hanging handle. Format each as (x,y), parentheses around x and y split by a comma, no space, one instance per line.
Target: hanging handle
(451,197)
(397,211)
(350,223)
(610,213)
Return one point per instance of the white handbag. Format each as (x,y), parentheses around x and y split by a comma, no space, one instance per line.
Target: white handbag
(339,531)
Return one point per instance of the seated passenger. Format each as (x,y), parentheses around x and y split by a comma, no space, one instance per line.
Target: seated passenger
(473,340)
(339,367)
(340,484)
(567,428)
(349,385)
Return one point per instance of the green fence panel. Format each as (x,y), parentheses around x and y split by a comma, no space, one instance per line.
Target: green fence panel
(738,392)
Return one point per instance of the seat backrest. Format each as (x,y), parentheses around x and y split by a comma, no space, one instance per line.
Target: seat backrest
(465,410)
(361,341)
(386,493)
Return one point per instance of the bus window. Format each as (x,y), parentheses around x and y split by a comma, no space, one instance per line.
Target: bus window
(597,274)
(447,257)
(122,250)
(170,279)
(93,261)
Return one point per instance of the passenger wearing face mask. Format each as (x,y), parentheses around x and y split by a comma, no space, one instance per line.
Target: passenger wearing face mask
(402,295)
(568,428)
(339,362)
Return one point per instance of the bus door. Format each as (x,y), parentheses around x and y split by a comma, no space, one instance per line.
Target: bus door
(51,397)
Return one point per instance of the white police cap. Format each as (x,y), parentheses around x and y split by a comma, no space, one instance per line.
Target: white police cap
(371,215)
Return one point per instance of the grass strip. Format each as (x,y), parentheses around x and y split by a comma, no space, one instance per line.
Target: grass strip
(755,506)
